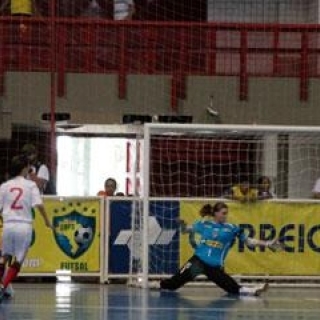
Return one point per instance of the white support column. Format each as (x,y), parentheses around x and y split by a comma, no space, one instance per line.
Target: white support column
(104,239)
(136,205)
(145,195)
(86,167)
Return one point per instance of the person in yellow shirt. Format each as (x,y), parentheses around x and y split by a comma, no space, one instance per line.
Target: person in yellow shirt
(243,192)
(20,7)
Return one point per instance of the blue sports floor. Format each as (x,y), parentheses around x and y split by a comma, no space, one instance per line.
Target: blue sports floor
(117,302)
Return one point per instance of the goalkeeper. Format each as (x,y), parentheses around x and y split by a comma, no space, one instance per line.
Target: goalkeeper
(216,238)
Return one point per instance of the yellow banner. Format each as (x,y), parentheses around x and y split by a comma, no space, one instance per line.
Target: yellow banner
(75,244)
(298,225)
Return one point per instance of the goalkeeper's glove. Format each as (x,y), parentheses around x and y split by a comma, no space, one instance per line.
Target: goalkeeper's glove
(183,226)
(275,245)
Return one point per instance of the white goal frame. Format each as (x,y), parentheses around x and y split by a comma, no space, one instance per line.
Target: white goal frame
(203,129)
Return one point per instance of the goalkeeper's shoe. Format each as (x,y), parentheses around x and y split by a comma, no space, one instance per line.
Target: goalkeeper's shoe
(254,291)
(154,285)
(275,245)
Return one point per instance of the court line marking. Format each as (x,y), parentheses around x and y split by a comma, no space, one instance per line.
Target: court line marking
(265,298)
(181,309)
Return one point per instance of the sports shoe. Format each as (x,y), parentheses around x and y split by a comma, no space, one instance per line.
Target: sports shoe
(8,292)
(261,289)
(254,291)
(154,285)
(1,293)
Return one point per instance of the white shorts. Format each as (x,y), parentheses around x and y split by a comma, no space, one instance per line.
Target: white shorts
(16,240)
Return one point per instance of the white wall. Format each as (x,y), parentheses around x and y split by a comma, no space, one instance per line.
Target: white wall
(264,11)
(85,163)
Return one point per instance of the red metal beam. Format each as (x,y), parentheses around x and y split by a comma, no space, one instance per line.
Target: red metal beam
(118,40)
(265,27)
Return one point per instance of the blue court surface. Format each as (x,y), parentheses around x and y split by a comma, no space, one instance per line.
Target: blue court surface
(118,302)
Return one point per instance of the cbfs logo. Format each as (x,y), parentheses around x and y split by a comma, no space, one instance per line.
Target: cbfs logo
(74,233)
(156,236)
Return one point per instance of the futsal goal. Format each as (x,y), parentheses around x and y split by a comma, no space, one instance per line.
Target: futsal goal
(187,166)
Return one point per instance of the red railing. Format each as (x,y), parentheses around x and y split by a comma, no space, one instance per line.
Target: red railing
(164,48)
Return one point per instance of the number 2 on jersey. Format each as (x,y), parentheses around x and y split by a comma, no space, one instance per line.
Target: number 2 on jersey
(18,194)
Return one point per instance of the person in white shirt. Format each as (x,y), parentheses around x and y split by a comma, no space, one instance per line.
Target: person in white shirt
(39,172)
(316,189)
(93,10)
(123,9)
(17,198)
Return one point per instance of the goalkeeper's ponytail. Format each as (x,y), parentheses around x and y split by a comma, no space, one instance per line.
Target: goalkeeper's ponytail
(206,210)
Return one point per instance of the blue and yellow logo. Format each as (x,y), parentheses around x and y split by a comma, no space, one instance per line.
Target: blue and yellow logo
(74,233)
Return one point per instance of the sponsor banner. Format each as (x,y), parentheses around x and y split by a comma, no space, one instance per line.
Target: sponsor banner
(75,244)
(297,224)
(120,236)
(163,237)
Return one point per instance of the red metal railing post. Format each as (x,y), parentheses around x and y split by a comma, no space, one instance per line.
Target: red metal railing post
(179,76)
(243,65)
(304,68)
(24,29)
(276,43)
(151,48)
(183,64)
(61,58)
(89,50)
(2,58)
(174,92)
(211,55)
(122,64)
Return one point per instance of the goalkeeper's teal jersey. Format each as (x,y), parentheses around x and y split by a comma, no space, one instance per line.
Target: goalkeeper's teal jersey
(216,239)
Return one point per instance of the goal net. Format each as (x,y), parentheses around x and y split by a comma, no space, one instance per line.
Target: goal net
(267,175)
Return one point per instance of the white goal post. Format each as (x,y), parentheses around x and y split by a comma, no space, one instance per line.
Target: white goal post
(191,163)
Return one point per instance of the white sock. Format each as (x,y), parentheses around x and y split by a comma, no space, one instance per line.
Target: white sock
(249,291)
(253,291)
